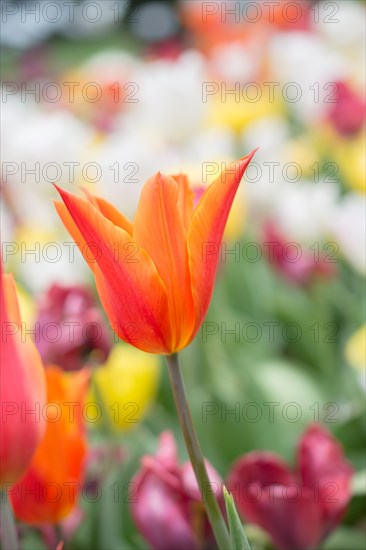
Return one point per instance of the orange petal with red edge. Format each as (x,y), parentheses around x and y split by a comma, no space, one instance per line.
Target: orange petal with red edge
(206,231)
(75,233)
(185,198)
(159,229)
(131,287)
(110,212)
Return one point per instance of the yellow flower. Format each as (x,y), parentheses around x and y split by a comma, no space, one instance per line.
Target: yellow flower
(348,156)
(127,383)
(302,152)
(356,349)
(227,110)
(351,160)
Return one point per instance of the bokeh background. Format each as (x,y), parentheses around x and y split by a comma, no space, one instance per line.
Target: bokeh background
(101,95)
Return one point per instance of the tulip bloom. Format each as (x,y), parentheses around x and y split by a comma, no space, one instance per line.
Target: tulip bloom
(298,266)
(155,277)
(356,350)
(168,508)
(297,509)
(22,390)
(348,110)
(127,383)
(49,490)
(84,336)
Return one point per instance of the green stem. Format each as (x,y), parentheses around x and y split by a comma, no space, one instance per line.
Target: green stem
(213,511)
(8,532)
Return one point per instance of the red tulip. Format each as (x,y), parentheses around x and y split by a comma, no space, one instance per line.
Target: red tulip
(298,509)
(154,277)
(22,390)
(168,510)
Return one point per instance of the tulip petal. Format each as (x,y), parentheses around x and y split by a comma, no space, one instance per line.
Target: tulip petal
(11,304)
(267,494)
(160,516)
(169,512)
(73,229)
(159,229)
(110,212)
(167,453)
(22,383)
(130,287)
(319,454)
(293,520)
(262,468)
(322,463)
(59,461)
(185,198)
(126,331)
(206,231)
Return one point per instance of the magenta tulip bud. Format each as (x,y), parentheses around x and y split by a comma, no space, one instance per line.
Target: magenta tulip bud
(347,112)
(169,511)
(71,330)
(294,262)
(297,509)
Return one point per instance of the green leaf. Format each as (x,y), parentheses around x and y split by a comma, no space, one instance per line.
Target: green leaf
(345,537)
(238,538)
(359,483)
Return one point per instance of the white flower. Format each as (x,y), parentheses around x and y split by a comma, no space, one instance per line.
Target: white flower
(236,62)
(303,210)
(343,23)
(39,149)
(348,227)
(305,66)
(111,65)
(170,97)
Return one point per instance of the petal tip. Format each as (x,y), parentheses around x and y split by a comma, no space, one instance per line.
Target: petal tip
(61,191)
(249,156)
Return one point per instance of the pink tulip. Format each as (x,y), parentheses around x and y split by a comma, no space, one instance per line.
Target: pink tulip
(348,110)
(168,510)
(295,262)
(22,390)
(71,329)
(298,509)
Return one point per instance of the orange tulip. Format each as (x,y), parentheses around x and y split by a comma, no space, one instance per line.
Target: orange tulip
(155,277)
(51,486)
(22,390)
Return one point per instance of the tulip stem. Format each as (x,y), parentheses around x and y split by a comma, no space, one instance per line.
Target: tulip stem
(213,511)
(8,531)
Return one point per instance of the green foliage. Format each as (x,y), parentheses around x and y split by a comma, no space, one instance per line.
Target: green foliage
(237,533)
